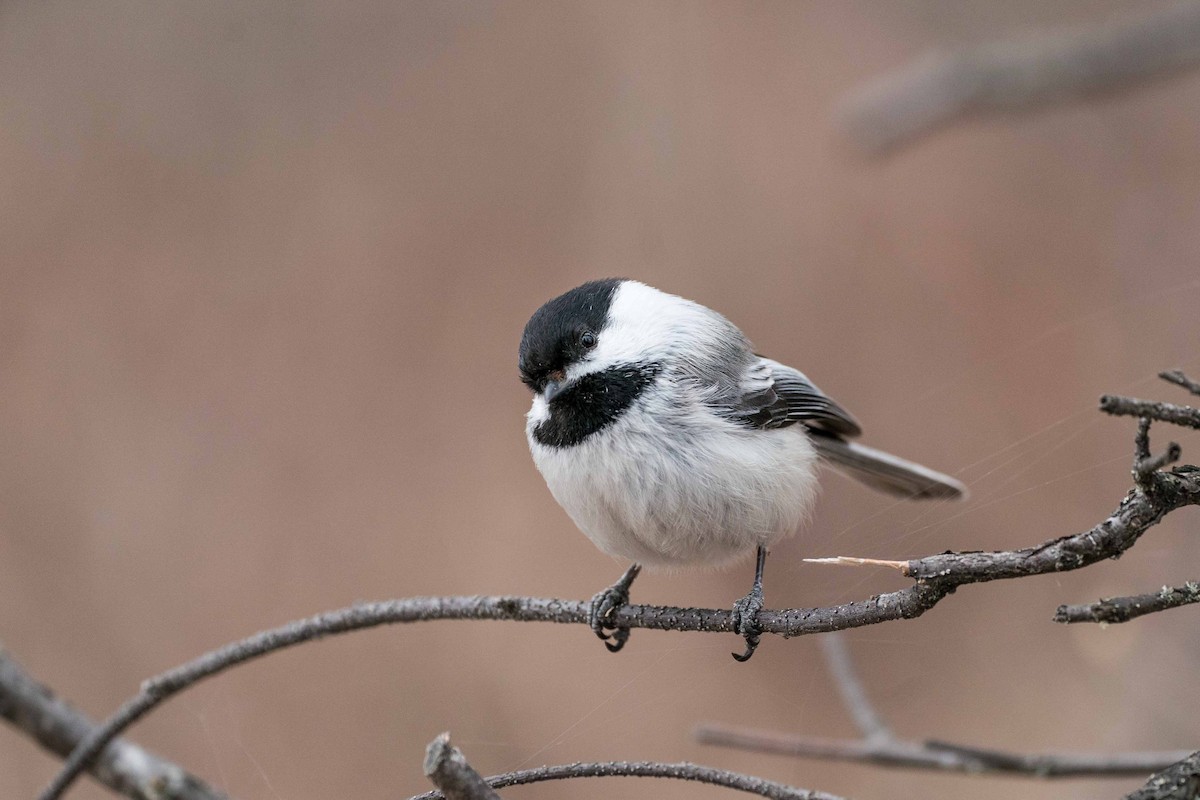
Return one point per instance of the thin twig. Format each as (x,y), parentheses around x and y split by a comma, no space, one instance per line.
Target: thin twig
(935,577)
(1146,468)
(1141,443)
(942,756)
(1177,377)
(854,694)
(939,88)
(651,769)
(882,747)
(123,766)
(1185,416)
(1145,465)
(448,770)
(1123,609)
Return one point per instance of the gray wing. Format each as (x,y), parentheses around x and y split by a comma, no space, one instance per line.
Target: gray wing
(775,396)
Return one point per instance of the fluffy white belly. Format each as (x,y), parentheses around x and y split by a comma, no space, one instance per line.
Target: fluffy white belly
(706,494)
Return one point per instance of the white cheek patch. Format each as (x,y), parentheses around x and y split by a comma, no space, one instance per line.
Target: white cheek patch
(641,325)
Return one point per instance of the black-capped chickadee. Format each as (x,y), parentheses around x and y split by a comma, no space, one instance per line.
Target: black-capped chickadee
(669,442)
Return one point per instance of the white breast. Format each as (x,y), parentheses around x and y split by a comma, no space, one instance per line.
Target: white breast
(670,487)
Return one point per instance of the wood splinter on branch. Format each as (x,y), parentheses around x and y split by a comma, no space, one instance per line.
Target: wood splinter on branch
(851,561)
(934,578)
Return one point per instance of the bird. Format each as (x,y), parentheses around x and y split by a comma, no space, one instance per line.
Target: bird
(672,444)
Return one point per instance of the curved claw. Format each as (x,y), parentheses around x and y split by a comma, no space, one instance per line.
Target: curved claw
(745,622)
(619,637)
(605,604)
(751,646)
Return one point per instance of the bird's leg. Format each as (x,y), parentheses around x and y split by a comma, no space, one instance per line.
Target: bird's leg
(745,611)
(605,604)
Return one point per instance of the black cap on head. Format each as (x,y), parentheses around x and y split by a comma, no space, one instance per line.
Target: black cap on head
(554,336)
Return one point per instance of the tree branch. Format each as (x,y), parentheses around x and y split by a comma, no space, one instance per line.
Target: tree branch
(651,769)
(1178,782)
(854,694)
(1146,465)
(935,577)
(881,747)
(122,766)
(1177,377)
(940,88)
(1185,416)
(936,755)
(1123,609)
(448,770)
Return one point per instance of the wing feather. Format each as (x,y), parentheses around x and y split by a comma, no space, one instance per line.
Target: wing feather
(774,396)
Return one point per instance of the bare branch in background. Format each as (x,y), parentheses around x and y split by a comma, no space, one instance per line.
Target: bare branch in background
(935,577)
(941,88)
(651,769)
(880,746)
(854,694)
(936,755)
(122,766)
(448,770)
(1123,609)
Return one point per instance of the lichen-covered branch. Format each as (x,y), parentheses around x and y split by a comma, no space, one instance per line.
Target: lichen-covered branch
(1123,609)
(1185,416)
(1180,781)
(122,766)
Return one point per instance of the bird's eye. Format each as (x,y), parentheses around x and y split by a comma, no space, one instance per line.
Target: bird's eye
(588,339)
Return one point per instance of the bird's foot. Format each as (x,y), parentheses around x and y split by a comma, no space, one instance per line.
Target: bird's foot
(605,604)
(745,621)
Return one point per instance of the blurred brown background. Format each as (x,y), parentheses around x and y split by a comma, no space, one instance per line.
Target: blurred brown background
(265,266)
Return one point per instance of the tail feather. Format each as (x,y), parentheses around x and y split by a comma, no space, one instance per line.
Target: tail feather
(886,472)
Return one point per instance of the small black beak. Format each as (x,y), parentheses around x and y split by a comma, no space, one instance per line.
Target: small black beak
(554,389)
